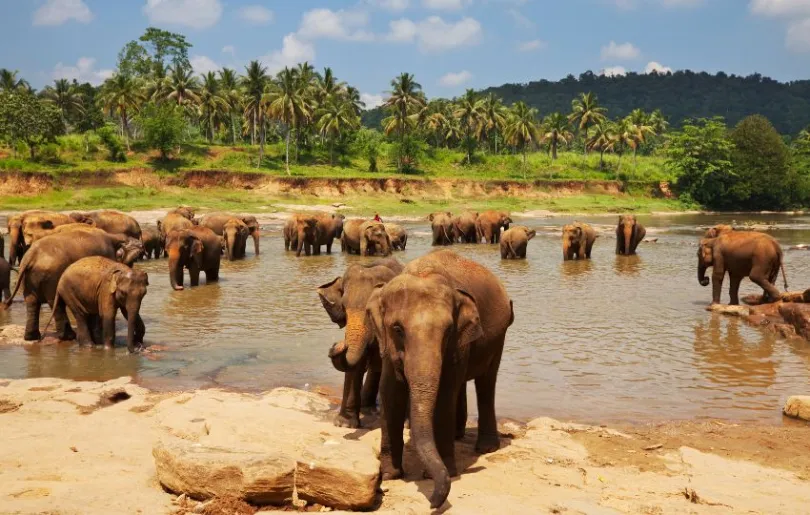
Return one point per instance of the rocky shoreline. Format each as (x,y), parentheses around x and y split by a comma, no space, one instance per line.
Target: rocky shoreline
(115,447)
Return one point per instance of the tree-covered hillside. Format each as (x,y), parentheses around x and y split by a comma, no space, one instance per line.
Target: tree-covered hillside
(680,96)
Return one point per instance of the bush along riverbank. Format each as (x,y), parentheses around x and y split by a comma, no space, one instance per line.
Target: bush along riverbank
(116,447)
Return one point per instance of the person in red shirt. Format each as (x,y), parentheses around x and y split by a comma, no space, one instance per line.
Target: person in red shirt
(377,217)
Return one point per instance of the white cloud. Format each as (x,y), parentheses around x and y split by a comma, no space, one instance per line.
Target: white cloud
(451,80)
(84,71)
(622,52)
(446,5)
(57,12)
(780,7)
(371,100)
(256,15)
(198,14)
(203,64)
(613,71)
(390,5)
(520,19)
(293,51)
(436,35)
(798,36)
(654,66)
(229,49)
(529,46)
(341,25)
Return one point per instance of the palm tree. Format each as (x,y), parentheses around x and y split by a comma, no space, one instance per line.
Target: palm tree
(557,131)
(586,113)
(122,95)
(327,85)
(352,95)
(452,131)
(469,111)
(183,86)
(64,96)
(602,140)
(494,115)
(336,115)
(254,83)
(627,135)
(10,82)
(230,92)
(212,106)
(288,104)
(521,128)
(405,99)
(435,117)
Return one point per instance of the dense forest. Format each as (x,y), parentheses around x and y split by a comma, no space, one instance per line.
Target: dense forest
(681,96)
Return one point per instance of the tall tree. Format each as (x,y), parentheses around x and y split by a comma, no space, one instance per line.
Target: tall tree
(335,116)
(556,128)
(65,97)
(11,82)
(213,107)
(183,86)
(469,111)
(23,117)
(405,99)
(288,104)
(602,139)
(494,116)
(522,130)
(254,83)
(586,113)
(353,96)
(122,95)
(232,95)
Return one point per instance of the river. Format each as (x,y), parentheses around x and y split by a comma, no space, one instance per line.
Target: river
(613,339)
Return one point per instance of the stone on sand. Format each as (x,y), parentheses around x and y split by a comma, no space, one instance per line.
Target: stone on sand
(798,406)
(798,315)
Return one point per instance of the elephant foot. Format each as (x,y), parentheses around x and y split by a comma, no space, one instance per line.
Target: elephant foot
(389,473)
(370,409)
(351,422)
(460,433)
(68,336)
(32,336)
(487,444)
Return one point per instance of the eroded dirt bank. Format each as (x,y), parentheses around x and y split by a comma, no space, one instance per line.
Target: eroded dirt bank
(80,447)
(31,183)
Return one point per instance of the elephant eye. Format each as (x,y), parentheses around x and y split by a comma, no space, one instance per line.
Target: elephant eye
(399,331)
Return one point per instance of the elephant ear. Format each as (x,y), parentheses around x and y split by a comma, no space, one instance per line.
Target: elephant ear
(468,320)
(114,281)
(196,246)
(431,216)
(331,295)
(531,233)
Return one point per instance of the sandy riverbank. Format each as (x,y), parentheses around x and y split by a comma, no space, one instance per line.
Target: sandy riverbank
(80,447)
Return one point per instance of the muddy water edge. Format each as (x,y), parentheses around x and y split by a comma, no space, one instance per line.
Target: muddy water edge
(614,339)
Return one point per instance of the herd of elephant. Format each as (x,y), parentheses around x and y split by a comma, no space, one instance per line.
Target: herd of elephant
(84,262)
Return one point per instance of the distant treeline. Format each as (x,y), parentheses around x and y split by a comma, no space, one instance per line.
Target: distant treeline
(680,96)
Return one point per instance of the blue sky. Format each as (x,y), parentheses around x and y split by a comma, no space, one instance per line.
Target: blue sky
(448,44)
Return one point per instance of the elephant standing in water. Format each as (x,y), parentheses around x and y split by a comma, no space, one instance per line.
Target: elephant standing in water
(444,232)
(330,226)
(17,246)
(37,233)
(466,227)
(398,236)
(94,289)
(717,230)
(301,233)
(239,229)
(439,324)
(48,258)
(113,222)
(153,242)
(577,241)
(629,233)
(490,223)
(344,300)
(367,238)
(742,254)
(515,240)
(199,250)
(5,279)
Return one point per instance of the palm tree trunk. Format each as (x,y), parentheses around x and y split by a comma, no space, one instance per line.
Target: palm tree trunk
(253,135)
(553,148)
(585,141)
(602,159)
(261,141)
(524,162)
(289,129)
(125,127)
(233,130)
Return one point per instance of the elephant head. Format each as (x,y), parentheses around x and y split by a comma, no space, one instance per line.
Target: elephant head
(183,248)
(505,220)
(717,230)
(127,250)
(129,288)
(253,230)
(420,323)
(234,232)
(628,228)
(82,218)
(375,240)
(572,237)
(16,243)
(305,228)
(705,256)
(185,212)
(339,219)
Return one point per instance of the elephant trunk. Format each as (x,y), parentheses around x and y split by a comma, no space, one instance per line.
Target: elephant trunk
(702,279)
(14,236)
(357,337)
(133,307)
(301,237)
(256,241)
(629,232)
(424,383)
(230,243)
(175,270)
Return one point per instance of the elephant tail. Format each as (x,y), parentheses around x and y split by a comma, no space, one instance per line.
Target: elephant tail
(20,279)
(784,276)
(53,312)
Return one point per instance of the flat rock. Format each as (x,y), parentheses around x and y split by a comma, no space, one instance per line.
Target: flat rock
(798,406)
(797,315)
(219,443)
(739,311)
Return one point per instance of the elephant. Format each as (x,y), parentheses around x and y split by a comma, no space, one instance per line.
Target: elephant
(36,224)
(515,240)
(173,222)
(199,249)
(364,237)
(153,242)
(2,247)
(344,300)
(37,233)
(717,230)
(235,234)
(444,232)
(439,324)
(489,225)
(5,279)
(578,239)
(184,211)
(629,233)
(94,289)
(254,230)
(217,221)
(466,227)
(114,222)
(301,233)
(48,258)
(330,226)
(742,254)
(398,236)
(17,246)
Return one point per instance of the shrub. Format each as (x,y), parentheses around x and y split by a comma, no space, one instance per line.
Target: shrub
(164,127)
(108,137)
(49,153)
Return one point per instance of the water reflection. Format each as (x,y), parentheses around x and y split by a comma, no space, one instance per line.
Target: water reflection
(628,265)
(576,269)
(83,363)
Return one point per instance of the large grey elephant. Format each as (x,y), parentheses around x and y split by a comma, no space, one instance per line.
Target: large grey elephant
(398,236)
(439,324)
(301,234)
(366,238)
(629,233)
(466,226)
(515,240)
(441,224)
(17,245)
(199,250)
(490,224)
(330,227)
(577,241)
(344,300)
(239,228)
(114,222)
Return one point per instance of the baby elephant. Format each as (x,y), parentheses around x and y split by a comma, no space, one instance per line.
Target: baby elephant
(95,288)
(514,242)
(578,239)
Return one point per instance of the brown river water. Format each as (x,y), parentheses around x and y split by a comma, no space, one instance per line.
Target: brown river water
(614,339)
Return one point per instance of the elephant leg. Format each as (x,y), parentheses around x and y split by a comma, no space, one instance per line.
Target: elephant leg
(734,289)
(212,275)
(588,248)
(349,414)
(194,275)
(394,396)
(83,335)
(94,324)
(32,306)
(761,280)
(63,328)
(108,330)
(488,438)
(329,247)
(717,284)
(371,386)
(461,413)
(444,421)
